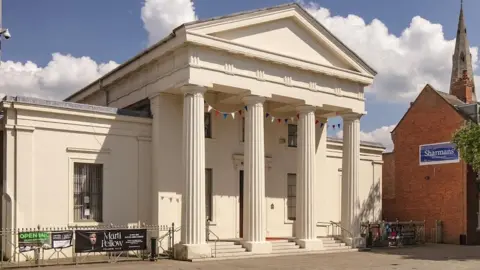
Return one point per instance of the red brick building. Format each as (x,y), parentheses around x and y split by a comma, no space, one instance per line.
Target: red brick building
(445,192)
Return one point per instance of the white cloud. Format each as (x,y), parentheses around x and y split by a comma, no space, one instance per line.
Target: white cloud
(405,63)
(160,17)
(379,135)
(63,75)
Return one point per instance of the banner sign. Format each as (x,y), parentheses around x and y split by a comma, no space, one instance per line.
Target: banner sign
(28,241)
(62,239)
(438,153)
(110,240)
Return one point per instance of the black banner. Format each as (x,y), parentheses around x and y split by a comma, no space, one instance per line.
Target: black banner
(110,240)
(62,239)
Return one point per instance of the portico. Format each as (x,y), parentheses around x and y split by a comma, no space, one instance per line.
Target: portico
(277,62)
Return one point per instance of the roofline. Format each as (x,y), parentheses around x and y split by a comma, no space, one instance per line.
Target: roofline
(74,106)
(129,61)
(293,4)
(172,35)
(436,92)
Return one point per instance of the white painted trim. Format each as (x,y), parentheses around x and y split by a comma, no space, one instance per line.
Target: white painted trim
(88,151)
(246,51)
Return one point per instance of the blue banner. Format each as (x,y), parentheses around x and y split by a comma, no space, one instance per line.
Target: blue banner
(438,153)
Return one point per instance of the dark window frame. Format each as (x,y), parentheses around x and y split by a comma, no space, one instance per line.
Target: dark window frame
(88,192)
(291,196)
(292,135)
(209,194)
(208,125)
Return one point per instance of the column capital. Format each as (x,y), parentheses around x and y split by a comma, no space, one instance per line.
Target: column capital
(305,108)
(252,99)
(352,116)
(193,89)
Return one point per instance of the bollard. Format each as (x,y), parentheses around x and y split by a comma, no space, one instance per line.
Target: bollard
(153,249)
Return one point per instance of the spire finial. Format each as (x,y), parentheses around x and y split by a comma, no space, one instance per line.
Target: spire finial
(461,4)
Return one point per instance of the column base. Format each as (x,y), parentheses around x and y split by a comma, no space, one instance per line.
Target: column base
(356,242)
(310,244)
(188,252)
(258,247)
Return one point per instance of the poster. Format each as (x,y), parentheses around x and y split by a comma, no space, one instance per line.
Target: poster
(62,239)
(28,241)
(110,240)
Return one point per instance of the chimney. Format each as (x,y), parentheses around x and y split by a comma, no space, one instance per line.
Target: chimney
(463,88)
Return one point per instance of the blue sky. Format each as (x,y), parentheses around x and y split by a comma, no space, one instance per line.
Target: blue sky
(113,30)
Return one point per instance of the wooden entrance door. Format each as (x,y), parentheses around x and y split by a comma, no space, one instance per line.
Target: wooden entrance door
(240,204)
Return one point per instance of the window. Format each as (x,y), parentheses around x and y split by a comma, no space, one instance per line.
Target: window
(292,135)
(243,129)
(88,194)
(208,125)
(291,196)
(209,194)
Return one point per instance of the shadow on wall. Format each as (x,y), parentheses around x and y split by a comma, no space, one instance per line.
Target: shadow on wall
(366,211)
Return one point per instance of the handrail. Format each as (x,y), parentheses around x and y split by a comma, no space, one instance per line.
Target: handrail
(342,228)
(160,239)
(216,240)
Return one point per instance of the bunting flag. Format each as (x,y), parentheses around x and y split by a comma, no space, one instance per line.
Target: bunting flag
(268,115)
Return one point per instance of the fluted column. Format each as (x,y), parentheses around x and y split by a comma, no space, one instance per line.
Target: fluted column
(254,222)
(305,219)
(350,177)
(193,241)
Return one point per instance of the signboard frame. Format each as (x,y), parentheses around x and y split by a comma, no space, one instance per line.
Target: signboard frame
(426,163)
(110,240)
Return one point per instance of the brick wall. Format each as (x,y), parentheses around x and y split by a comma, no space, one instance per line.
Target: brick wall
(434,192)
(388,186)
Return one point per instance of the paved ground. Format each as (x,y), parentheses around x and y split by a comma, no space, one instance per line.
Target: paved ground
(429,257)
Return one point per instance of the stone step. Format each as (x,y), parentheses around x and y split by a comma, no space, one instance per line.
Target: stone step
(229,251)
(274,248)
(282,244)
(232,247)
(221,243)
(328,245)
(233,254)
(276,254)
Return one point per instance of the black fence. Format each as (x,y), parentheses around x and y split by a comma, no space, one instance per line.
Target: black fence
(393,234)
(79,245)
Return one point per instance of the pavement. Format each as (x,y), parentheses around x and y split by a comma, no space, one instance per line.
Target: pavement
(427,257)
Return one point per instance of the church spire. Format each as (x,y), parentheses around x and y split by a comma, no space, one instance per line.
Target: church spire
(462,58)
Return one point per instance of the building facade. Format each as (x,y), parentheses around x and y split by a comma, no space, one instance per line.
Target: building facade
(435,191)
(221,121)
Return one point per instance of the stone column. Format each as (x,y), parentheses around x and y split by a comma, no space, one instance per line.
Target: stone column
(193,237)
(305,219)
(350,177)
(254,222)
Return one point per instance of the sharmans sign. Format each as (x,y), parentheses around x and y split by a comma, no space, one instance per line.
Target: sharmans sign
(438,153)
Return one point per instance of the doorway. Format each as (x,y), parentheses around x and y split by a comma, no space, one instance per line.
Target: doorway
(240,204)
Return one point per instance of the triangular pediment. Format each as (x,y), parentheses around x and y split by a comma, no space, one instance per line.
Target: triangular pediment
(285,30)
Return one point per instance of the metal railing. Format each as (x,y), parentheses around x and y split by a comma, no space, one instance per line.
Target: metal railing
(396,233)
(337,226)
(214,252)
(69,245)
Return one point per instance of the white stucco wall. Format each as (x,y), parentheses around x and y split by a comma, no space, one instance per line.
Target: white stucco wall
(39,174)
(41,144)
(226,145)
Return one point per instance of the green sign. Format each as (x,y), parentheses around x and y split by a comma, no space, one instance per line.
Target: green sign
(34,238)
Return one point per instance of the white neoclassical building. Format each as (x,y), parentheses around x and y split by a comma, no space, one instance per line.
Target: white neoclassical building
(225,119)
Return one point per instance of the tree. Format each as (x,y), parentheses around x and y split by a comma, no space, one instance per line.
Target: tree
(467,141)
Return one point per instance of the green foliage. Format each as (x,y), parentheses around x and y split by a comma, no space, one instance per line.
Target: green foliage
(467,141)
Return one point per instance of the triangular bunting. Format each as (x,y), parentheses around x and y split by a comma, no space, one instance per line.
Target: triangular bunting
(225,115)
(267,115)
(209,108)
(273,119)
(233,115)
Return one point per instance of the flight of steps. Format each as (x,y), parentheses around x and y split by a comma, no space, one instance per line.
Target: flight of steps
(224,250)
